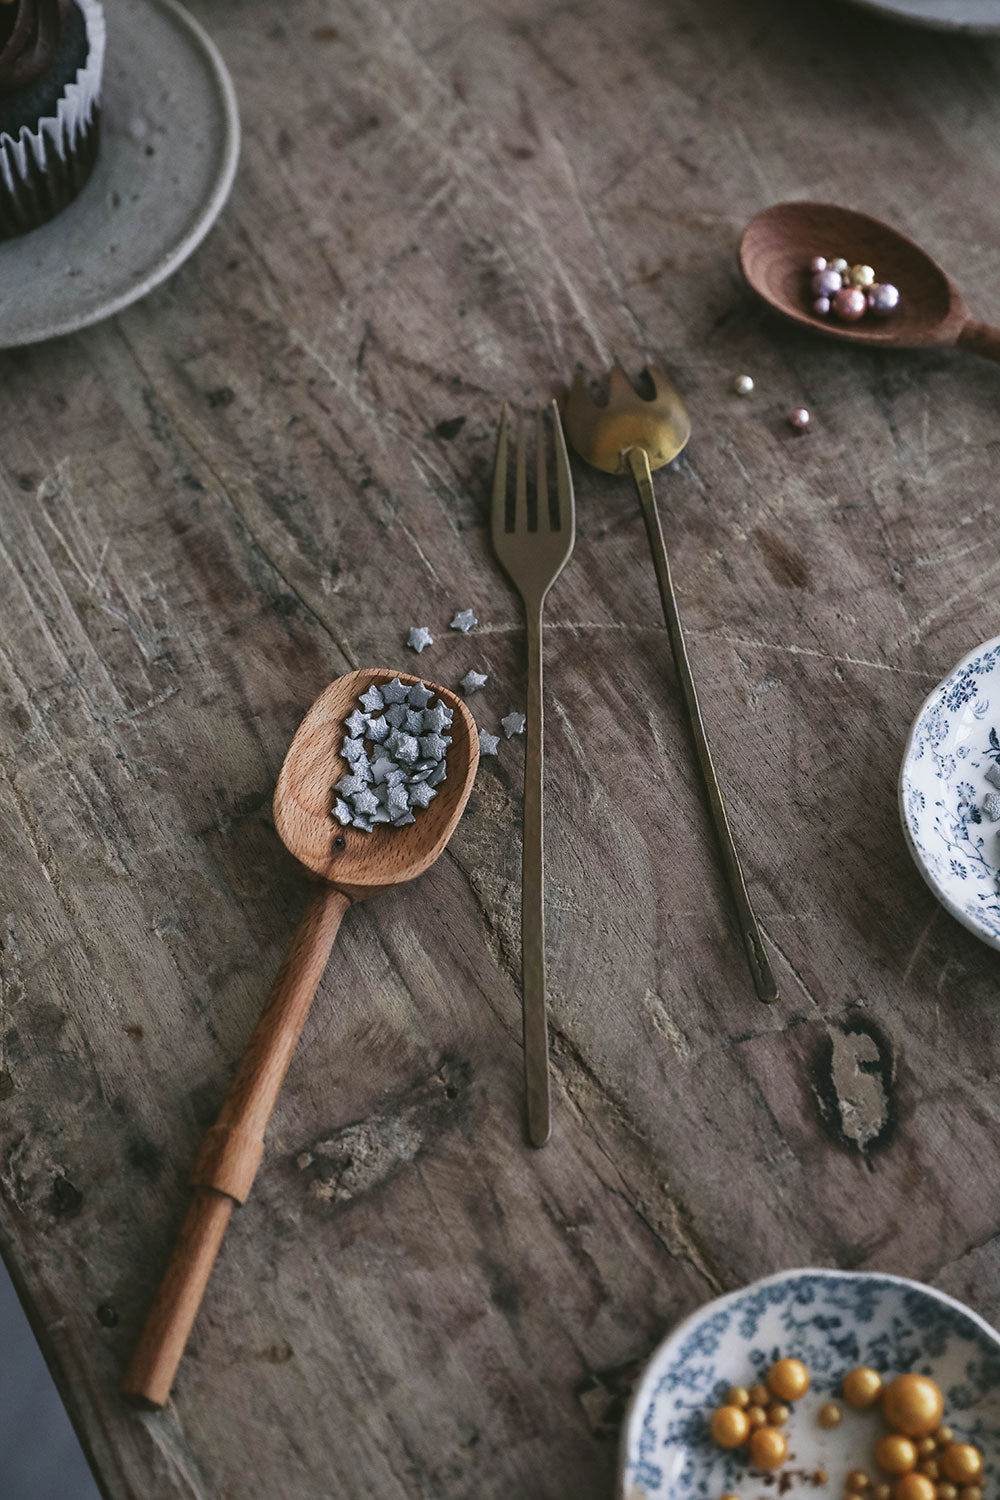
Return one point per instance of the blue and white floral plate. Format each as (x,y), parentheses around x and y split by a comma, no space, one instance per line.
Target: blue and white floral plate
(831,1320)
(954,740)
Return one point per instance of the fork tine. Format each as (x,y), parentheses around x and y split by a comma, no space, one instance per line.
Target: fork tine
(564,484)
(520,479)
(543,503)
(498,507)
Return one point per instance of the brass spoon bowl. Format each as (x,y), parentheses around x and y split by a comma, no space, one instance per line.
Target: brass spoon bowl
(779,243)
(353,865)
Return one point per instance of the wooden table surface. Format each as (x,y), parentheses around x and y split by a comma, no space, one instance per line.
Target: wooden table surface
(260,477)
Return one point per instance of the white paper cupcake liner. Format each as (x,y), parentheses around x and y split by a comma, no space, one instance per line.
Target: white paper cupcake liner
(43,168)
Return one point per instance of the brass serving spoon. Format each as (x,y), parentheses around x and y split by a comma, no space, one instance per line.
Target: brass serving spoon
(632,435)
(779,243)
(352,865)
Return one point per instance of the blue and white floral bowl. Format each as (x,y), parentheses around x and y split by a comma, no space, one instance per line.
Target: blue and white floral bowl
(954,740)
(831,1320)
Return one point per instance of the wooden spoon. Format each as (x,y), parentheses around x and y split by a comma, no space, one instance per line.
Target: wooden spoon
(352,865)
(779,243)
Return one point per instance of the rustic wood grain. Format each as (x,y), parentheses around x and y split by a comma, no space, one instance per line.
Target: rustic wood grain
(260,477)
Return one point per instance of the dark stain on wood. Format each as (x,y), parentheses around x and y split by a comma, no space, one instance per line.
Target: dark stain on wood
(786,566)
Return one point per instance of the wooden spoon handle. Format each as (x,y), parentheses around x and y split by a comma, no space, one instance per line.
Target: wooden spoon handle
(232,1150)
(980,338)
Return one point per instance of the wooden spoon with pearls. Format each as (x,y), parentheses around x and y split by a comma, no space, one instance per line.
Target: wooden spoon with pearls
(776,251)
(352,865)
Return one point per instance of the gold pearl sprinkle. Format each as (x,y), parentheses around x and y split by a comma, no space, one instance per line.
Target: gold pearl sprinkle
(778,1415)
(759,1395)
(946,1491)
(944,1436)
(882,1491)
(737,1395)
(862,1387)
(829,1415)
(857,1481)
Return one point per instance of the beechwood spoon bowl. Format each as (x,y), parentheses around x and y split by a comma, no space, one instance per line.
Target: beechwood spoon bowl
(351,865)
(779,243)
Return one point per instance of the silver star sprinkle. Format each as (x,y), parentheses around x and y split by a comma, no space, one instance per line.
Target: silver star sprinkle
(419,637)
(394,691)
(993,774)
(357,722)
(419,696)
(435,719)
(433,746)
(472,682)
(342,812)
(488,743)
(421,794)
(513,724)
(365,803)
(464,621)
(991,806)
(372,700)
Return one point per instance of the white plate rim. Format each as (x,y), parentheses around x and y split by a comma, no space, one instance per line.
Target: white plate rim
(897,12)
(716,1303)
(211,208)
(952,907)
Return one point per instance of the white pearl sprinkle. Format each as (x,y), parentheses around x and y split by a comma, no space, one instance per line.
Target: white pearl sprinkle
(743,385)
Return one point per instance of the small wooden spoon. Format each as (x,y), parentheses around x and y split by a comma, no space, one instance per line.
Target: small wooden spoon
(779,243)
(352,865)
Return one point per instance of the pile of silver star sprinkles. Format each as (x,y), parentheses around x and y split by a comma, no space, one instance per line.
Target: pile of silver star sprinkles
(396,751)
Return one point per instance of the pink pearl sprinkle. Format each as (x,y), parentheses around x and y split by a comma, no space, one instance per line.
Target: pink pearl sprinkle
(850,304)
(799,418)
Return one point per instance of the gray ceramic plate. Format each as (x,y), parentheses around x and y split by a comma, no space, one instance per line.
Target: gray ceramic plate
(945,15)
(170,143)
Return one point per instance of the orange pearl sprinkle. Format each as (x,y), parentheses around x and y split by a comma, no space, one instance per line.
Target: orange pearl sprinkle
(788,1379)
(895,1453)
(768,1448)
(915,1487)
(912,1404)
(730,1426)
(862,1387)
(962,1463)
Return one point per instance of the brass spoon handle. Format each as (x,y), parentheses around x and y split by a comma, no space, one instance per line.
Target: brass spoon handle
(536,1042)
(760,968)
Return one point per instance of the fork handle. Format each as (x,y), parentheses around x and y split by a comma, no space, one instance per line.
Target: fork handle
(536,1035)
(760,968)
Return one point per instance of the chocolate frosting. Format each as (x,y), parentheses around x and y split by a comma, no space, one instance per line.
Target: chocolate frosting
(29,39)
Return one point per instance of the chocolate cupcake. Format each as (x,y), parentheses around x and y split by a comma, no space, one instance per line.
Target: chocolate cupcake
(51,59)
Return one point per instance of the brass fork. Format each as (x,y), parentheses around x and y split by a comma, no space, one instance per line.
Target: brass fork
(533,550)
